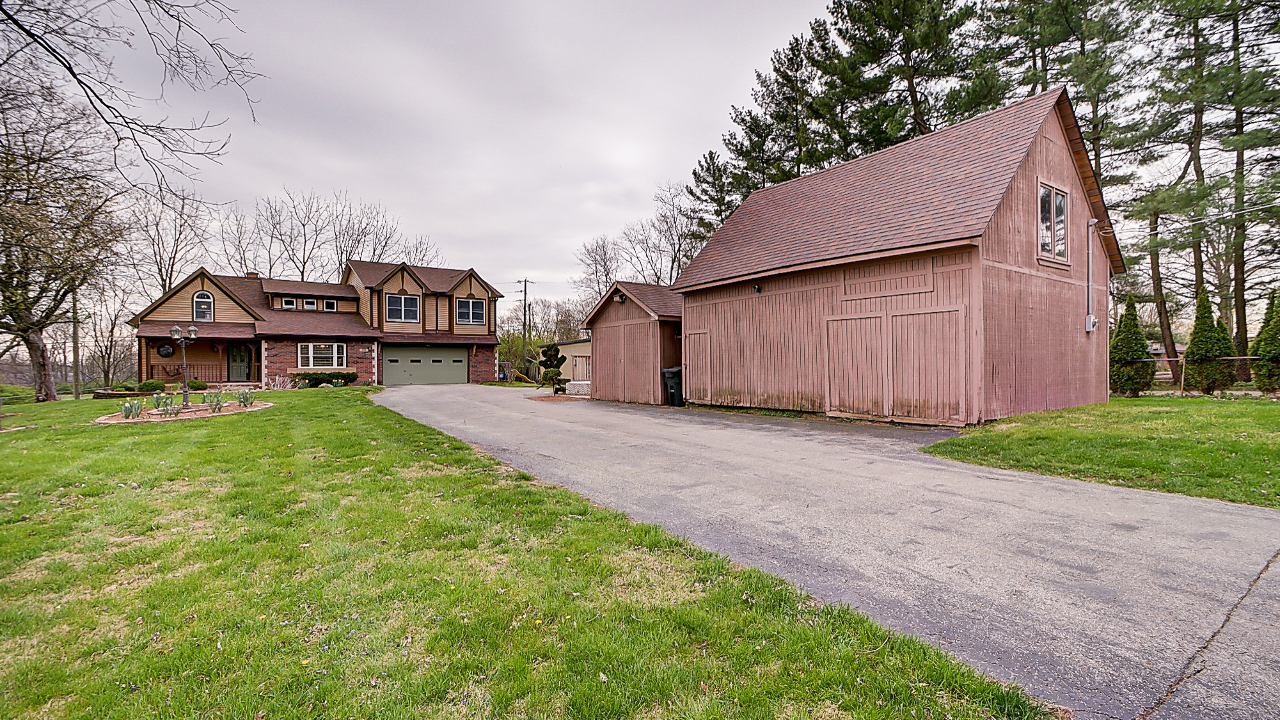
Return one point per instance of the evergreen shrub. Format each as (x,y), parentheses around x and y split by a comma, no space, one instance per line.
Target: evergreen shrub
(1132,367)
(1206,371)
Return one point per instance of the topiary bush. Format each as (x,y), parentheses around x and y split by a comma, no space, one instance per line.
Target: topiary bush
(151,386)
(551,363)
(1206,371)
(197,385)
(1266,369)
(1132,367)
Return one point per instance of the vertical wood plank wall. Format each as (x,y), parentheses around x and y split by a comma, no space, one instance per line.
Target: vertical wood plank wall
(1037,353)
(628,349)
(829,340)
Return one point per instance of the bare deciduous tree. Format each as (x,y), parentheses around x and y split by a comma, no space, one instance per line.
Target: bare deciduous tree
(601,262)
(70,47)
(659,248)
(362,232)
(420,251)
(166,240)
(110,344)
(301,223)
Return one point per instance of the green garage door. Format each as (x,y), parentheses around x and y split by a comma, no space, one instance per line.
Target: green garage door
(409,365)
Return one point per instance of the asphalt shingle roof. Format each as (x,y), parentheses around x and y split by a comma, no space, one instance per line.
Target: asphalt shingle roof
(938,187)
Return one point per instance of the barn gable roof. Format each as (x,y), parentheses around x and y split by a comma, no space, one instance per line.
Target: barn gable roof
(657,300)
(938,188)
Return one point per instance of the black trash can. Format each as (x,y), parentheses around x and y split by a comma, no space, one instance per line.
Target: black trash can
(675,392)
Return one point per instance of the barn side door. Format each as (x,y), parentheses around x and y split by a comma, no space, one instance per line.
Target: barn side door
(857,366)
(928,365)
(696,376)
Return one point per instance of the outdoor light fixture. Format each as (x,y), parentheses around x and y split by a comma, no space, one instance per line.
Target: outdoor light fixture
(175,332)
(756,288)
(619,298)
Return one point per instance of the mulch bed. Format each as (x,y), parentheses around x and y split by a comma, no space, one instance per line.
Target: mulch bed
(557,398)
(196,412)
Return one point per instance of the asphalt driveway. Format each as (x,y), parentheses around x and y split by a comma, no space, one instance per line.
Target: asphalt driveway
(1109,601)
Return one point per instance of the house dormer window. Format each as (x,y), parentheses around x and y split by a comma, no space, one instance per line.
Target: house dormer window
(470,312)
(309,304)
(402,308)
(331,306)
(202,306)
(289,303)
(1053,223)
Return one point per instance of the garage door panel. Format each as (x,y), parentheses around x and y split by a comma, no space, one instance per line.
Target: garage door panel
(409,365)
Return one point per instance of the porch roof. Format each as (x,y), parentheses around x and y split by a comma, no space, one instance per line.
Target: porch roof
(205,331)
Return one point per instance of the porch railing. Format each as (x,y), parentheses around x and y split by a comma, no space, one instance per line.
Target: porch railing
(172,372)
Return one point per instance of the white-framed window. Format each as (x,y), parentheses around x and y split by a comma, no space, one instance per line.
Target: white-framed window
(202,306)
(471,312)
(289,303)
(309,304)
(402,308)
(331,306)
(322,355)
(1053,223)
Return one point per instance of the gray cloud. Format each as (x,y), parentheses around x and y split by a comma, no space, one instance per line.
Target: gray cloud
(508,132)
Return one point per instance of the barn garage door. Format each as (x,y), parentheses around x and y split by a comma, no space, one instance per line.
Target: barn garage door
(410,365)
(901,365)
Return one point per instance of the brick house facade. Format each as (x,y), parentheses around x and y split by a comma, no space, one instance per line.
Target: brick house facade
(254,330)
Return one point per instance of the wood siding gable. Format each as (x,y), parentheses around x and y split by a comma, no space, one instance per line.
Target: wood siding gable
(176,305)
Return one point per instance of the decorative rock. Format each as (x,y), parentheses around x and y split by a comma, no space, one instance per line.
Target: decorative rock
(324,385)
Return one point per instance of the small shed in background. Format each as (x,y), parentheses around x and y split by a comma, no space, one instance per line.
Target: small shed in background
(577,364)
(635,332)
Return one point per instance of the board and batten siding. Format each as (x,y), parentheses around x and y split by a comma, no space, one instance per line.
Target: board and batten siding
(881,339)
(626,355)
(179,308)
(1036,353)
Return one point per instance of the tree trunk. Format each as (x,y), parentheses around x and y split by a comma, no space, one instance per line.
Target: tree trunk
(1162,309)
(1238,224)
(41,374)
(75,344)
(1197,136)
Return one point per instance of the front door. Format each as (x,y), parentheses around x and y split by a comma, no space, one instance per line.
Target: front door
(239,358)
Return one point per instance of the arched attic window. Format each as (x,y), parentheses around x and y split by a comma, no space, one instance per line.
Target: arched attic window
(202,306)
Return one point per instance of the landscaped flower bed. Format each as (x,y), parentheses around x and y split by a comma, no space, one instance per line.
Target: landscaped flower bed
(194,412)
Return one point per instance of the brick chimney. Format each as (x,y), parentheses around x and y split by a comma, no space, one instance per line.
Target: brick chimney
(251,275)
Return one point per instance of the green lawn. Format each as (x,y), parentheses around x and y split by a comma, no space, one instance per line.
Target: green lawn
(1225,449)
(328,558)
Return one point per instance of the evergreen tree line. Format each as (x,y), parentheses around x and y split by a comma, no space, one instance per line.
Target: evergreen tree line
(1178,102)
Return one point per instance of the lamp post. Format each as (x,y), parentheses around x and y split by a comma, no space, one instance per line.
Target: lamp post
(175,332)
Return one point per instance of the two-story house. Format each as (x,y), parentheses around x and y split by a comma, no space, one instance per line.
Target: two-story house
(391,324)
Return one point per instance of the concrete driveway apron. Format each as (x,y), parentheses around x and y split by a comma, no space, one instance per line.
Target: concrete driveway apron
(1113,602)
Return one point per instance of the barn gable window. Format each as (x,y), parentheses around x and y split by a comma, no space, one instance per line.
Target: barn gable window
(202,306)
(470,312)
(402,308)
(322,355)
(1053,223)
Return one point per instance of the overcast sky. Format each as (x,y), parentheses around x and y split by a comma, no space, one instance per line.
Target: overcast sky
(508,132)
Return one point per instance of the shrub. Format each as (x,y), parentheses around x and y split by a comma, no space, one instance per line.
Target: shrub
(551,363)
(17,394)
(1266,369)
(197,385)
(315,378)
(1206,371)
(1132,367)
(151,386)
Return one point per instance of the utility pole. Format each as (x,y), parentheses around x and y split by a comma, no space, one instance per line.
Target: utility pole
(75,343)
(524,328)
